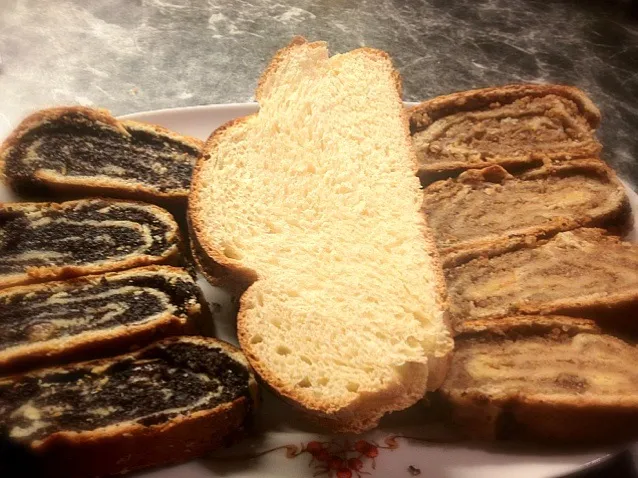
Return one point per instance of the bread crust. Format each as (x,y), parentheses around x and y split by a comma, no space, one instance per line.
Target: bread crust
(34,275)
(615,310)
(79,186)
(542,420)
(136,447)
(425,113)
(617,217)
(565,419)
(515,326)
(363,413)
(100,343)
(219,269)
(129,446)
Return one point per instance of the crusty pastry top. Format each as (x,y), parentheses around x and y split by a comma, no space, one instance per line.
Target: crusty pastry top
(489,207)
(170,378)
(49,240)
(510,125)
(89,148)
(575,269)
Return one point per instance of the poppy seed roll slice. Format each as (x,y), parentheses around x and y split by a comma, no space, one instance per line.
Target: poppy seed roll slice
(84,151)
(174,400)
(90,316)
(49,241)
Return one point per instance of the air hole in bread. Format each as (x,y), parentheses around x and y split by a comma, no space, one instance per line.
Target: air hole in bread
(255,339)
(352,387)
(283,350)
(412,342)
(305,383)
(272,227)
(232,252)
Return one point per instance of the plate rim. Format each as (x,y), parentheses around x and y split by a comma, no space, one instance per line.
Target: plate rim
(210,106)
(231,108)
(188,109)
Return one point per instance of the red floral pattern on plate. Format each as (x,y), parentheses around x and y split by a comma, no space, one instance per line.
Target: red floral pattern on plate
(339,458)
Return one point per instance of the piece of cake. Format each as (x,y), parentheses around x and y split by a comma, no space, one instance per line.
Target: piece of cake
(96,315)
(49,241)
(175,400)
(548,379)
(485,212)
(80,152)
(582,273)
(514,126)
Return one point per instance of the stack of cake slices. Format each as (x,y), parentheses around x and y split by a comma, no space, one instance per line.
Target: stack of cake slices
(543,290)
(106,354)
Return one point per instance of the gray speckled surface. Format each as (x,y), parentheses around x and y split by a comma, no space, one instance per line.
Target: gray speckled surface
(130,55)
(134,55)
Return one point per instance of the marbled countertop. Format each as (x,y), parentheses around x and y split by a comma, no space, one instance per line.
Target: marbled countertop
(138,55)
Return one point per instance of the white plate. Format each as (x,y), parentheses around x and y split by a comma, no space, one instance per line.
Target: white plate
(279,425)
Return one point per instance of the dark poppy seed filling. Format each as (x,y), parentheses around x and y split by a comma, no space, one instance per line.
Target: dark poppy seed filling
(74,145)
(63,309)
(176,376)
(81,233)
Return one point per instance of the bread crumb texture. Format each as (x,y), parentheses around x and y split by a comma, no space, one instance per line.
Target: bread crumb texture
(317,194)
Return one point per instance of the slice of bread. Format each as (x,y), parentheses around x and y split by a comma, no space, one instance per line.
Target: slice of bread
(80,151)
(313,206)
(175,400)
(550,379)
(485,212)
(92,316)
(581,273)
(513,126)
(49,241)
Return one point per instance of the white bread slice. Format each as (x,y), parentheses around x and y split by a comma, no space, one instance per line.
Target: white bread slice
(313,205)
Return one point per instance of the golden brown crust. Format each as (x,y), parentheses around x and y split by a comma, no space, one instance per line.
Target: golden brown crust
(565,419)
(100,343)
(614,309)
(425,113)
(617,217)
(524,325)
(131,446)
(542,420)
(104,186)
(221,269)
(226,272)
(34,275)
(137,447)
(278,58)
